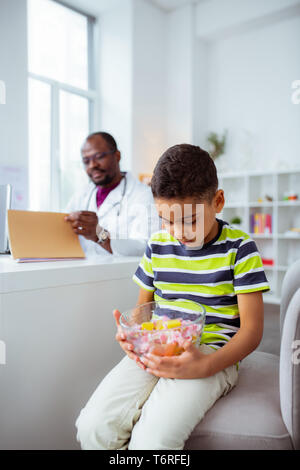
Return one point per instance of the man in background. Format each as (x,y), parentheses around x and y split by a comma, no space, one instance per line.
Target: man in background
(115,213)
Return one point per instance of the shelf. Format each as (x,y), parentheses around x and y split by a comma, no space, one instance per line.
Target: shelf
(261,204)
(263,235)
(276,203)
(251,173)
(288,203)
(271,236)
(242,191)
(271,299)
(275,268)
(233,205)
(282,268)
(288,237)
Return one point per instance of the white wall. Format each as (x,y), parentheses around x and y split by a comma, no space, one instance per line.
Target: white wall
(13,71)
(250,77)
(115,76)
(130,50)
(166,78)
(148,86)
(180,76)
(217,18)
(132,81)
(247,63)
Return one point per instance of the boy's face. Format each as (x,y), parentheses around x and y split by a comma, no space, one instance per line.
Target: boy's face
(192,222)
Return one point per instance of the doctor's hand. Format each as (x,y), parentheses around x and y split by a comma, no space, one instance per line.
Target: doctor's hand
(84,223)
(126,345)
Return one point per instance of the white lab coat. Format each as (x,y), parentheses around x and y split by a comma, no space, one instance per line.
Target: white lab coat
(131,228)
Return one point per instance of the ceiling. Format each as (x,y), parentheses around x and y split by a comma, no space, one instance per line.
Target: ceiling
(169,5)
(96,7)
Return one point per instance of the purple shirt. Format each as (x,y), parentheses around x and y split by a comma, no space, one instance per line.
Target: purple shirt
(102,193)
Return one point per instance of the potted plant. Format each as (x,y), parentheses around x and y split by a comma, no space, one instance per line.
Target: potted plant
(217,144)
(237,221)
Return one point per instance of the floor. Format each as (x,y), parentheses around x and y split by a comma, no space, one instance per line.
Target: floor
(271,339)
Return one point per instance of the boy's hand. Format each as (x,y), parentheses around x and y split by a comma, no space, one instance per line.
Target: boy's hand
(191,364)
(127,347)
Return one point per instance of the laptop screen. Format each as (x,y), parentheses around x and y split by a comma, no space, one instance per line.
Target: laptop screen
(5,202)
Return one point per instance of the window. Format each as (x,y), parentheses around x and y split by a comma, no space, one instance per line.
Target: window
(61,101)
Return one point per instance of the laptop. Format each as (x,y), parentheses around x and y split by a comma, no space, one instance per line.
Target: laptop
(5,203)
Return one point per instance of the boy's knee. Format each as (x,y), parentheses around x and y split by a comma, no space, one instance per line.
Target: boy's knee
(154,437)
(85,430)
(96,431)
(156,441)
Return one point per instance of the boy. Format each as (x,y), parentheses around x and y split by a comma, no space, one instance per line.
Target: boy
(155,402)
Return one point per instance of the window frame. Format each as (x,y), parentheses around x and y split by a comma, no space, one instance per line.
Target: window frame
(91,94)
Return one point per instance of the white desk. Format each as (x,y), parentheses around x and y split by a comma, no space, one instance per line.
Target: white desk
(57,325)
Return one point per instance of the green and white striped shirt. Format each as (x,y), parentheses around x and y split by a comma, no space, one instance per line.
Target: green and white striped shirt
(212,276)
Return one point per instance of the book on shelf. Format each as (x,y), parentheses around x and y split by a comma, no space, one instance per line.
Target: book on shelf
(267,261)
(261,223)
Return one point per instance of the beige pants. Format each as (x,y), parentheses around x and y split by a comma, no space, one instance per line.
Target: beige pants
(132,409)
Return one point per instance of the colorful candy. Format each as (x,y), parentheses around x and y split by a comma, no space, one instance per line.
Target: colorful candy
(160,324)
(147,326)
(164,336)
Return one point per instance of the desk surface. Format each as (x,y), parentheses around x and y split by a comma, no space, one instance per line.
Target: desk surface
(16,276)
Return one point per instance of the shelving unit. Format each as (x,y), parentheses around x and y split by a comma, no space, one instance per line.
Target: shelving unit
(243,191)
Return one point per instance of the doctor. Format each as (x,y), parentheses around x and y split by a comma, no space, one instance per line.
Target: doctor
(115,213)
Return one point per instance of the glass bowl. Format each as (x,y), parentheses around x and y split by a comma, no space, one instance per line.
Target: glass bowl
(162,327)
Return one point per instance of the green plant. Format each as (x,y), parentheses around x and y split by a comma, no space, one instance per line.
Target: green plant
(217,144)
(236,220)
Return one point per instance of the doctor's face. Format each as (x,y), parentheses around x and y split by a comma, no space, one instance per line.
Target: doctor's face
(101,163)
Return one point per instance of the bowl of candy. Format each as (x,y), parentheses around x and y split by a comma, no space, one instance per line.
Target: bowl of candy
(163,327)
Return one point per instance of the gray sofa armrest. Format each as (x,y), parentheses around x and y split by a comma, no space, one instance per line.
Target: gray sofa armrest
(289,375)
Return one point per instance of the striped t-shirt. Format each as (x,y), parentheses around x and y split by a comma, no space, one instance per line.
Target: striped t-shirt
(211,276)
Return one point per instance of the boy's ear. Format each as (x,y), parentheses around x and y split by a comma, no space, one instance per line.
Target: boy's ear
(219,200)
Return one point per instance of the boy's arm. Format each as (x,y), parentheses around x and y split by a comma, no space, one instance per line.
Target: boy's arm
(144,297)
(248,337)
(193,364)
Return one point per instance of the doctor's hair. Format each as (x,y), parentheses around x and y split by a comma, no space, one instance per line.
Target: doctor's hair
(107,137)
(185,171)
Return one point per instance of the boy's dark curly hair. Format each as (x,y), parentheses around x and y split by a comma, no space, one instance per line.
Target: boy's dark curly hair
(185,171)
